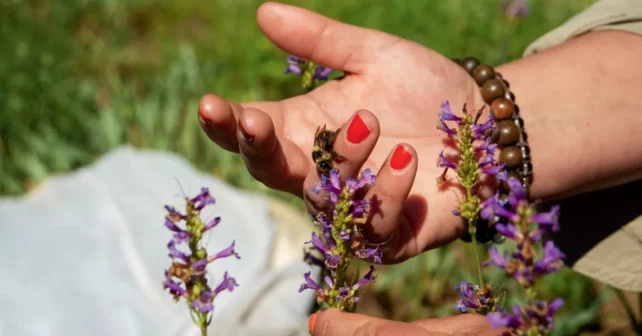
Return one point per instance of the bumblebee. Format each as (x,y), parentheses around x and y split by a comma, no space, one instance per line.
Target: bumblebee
(323,154)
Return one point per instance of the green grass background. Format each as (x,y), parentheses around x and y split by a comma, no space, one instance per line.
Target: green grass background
(81,77)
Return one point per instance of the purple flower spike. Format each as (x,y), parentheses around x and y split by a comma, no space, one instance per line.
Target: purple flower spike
(469,297)
(552,260)
(497,259)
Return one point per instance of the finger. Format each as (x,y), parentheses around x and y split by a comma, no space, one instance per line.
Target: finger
(388,196)
(325,41)
(218,118)
(276,162)
(354,143)
(464,324)
(334,322)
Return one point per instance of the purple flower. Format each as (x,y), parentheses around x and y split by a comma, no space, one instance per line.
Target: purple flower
(447,114)
(174,287)
(369,277)
(369,253)
(175,253)
(213,223)
(297,65)
(551,261)
(203,199)
(228,283)
(227,252)
(204,302)
(534,317)
(469,298)
(548,220)
(480,129)
(443,162)
(517,9)
(497,259)
(309,283)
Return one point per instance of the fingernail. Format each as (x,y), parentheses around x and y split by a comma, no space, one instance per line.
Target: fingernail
(400,158)
(311,322)
(204,121)
(247,137)
(358,130)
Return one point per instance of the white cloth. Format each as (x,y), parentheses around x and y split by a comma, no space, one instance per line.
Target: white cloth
(84,254)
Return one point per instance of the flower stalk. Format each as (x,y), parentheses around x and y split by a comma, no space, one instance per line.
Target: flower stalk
(339,241)
(186,276)
(312,75)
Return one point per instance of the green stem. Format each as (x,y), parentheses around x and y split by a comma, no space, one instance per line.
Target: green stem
(203,331)
(629,311)
(476,252)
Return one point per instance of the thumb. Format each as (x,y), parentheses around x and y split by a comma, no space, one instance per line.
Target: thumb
(315,37)
(334,322)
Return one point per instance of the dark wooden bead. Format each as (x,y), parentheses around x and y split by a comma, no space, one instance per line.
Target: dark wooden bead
(502,108)
(492,89)
(470,63)
(495,136)
(511,156)
(508,133)
(506,84)
(482,73)
(509,174)
(524,136)
(457,60)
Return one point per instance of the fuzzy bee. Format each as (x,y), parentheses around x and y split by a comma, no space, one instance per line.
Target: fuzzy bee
(323,154)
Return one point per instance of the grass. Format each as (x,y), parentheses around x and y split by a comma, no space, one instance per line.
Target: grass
(81,77)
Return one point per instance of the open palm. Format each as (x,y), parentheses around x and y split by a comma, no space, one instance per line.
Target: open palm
(399,83)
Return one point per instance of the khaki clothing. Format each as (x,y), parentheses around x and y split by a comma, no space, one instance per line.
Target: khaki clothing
(616,260)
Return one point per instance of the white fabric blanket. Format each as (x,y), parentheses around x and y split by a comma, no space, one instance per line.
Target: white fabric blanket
(84,254)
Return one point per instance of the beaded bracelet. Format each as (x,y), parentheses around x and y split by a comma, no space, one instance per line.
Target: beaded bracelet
(509,134)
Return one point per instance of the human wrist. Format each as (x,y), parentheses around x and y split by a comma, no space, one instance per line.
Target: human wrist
(582,112)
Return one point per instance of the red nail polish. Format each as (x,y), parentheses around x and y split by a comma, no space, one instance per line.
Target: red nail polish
(400,158)
(358,130)
(204,121)
(311,323)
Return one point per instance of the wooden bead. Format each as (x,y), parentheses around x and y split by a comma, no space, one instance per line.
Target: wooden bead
(511,157)
(502,108)
(470,63)
(482,73)
(508,133)
(492,89)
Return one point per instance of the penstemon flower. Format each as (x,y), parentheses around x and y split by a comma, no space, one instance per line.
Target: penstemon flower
(340,239)
(311,74)
(475,157)
(527,228)
(186,278)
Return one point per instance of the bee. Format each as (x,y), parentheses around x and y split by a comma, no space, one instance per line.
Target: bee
(323,154)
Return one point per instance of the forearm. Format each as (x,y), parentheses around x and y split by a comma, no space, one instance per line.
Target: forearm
(582,108)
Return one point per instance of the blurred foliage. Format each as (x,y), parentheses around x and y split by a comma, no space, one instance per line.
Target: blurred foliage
(80,77)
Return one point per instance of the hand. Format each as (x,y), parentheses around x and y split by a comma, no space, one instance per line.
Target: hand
(333,322)
(396,85)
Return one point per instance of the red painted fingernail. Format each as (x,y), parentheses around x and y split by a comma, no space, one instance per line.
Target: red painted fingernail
(311,322)
(358,130)
(400,158)
(249,138)
(204,121)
